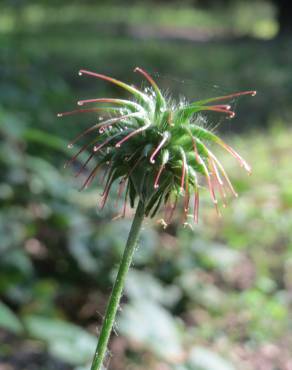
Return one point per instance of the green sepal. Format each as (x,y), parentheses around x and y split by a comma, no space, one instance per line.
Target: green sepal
(132,193)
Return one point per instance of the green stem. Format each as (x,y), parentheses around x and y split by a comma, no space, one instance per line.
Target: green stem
(115,297)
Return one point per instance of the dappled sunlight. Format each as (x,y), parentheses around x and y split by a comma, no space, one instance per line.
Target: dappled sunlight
(214,295)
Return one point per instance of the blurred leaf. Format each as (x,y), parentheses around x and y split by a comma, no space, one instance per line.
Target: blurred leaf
(201,292)
(204,359)
(142,285)
(14,124)
(153,328)
(222,257)
(44,138)
(12,229)
(111,239)
(9,320)
(79,237)
(268,315)
(66,341)
(45,177)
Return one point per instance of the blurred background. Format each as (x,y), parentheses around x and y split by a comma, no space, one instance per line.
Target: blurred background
(215,298)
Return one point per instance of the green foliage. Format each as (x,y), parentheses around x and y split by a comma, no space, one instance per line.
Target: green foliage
(9,320)
(153,328)
(65,341)
(224,287)
(204,359)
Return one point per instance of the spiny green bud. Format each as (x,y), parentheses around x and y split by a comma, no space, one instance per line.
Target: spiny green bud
(156,150)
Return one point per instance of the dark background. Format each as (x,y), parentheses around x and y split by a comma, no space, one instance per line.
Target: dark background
(214,298)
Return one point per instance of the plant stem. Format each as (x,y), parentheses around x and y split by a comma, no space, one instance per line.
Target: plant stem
(118,287)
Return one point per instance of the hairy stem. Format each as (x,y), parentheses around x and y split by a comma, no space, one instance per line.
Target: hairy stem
(115,297)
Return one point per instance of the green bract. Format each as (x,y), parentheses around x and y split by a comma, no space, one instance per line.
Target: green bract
(155,149)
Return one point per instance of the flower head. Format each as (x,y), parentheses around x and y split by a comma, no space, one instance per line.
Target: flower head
(155,149)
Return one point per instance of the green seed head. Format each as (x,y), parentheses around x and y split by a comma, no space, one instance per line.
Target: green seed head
(156,150)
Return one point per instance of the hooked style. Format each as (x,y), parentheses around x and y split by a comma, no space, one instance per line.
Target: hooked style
(155,150)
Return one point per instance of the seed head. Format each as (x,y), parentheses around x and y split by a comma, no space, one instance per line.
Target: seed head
(156,150)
